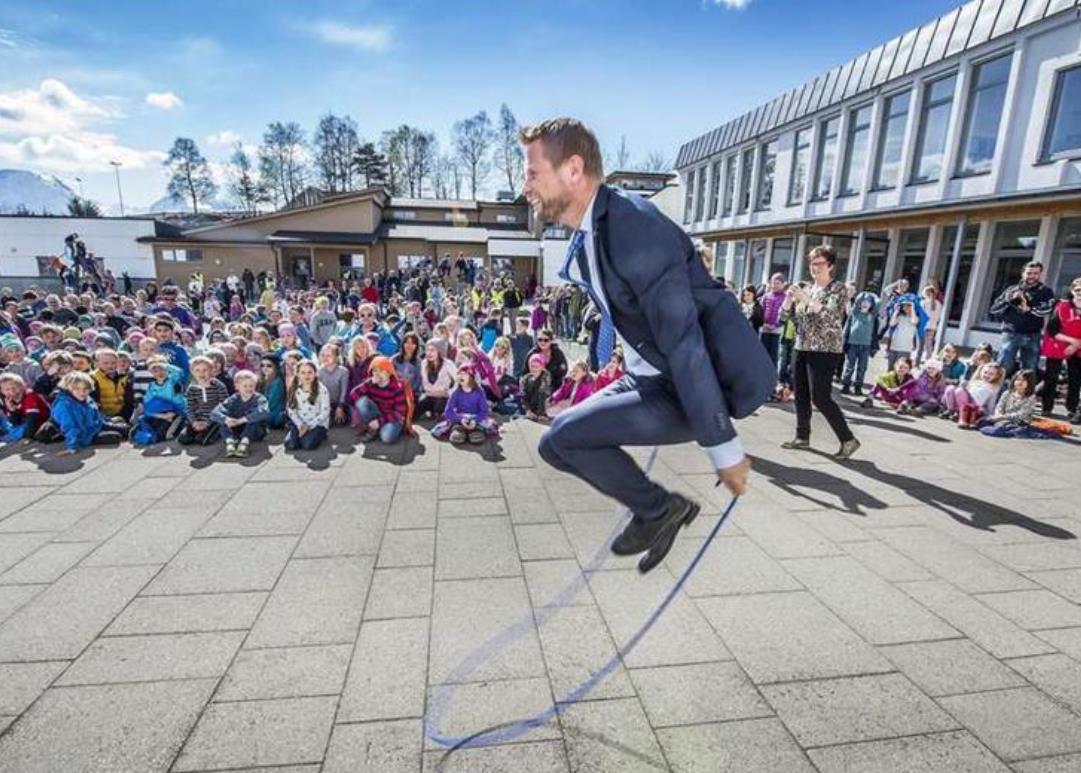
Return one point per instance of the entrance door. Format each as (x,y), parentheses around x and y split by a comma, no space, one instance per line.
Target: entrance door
(301,271)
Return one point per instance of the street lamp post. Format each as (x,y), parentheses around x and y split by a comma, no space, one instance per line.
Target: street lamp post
(116,167)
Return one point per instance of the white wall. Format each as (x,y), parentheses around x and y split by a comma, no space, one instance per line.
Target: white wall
(553,253)
(23,239)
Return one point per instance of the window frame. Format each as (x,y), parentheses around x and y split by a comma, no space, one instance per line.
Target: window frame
(921,129)
(820,153)
(1049,122)
(880,144)
(731,180)
(700,194)
(852,129)
(688,196)
(714,195)
(746,180)
(796,147)
(761,156)
(966,126)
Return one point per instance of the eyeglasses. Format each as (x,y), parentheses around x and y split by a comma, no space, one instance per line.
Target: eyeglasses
(544,340)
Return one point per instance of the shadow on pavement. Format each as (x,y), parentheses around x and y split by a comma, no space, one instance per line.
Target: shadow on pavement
(786,478)
(895,426)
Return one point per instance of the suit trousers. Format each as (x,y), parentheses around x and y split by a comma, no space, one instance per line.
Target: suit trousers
(814,385)
(587,440)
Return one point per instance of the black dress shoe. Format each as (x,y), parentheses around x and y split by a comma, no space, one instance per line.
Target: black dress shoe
(681,512)
(639,535)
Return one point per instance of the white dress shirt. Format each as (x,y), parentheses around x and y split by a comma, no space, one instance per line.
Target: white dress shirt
(724,455)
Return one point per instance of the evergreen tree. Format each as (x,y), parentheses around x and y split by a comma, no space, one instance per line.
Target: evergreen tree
(191,178)
(80,207)
(369,165)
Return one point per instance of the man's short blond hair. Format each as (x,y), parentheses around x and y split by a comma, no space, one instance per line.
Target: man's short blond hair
(563,138)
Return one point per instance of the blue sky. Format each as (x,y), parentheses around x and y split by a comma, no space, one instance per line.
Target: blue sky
(84,82)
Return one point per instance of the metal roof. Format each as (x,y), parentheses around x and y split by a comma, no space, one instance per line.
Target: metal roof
(961,29)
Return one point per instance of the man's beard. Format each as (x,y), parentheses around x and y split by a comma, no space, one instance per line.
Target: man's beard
(550,210)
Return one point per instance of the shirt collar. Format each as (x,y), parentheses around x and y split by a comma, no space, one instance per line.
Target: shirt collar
(586,225)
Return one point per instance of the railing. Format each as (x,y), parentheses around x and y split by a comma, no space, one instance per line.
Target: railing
(52,284)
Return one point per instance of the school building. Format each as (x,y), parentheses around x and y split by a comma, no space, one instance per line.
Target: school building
(949,154)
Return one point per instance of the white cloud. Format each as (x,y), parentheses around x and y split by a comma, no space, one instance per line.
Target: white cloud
(164,100)
(225,138)
(53,128)
(8,39)
(738,5)
(367,37)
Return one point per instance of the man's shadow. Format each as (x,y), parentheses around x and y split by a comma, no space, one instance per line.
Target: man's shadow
(896,426)
(792,479)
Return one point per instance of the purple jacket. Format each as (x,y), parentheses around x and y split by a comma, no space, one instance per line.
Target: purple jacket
(922,389)
(462,403)
(772,303)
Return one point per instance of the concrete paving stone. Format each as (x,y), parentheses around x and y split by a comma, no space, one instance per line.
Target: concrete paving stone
(1065,582)
(538,757)
(16,499)
(387,675)
(316,601)
(1034,609)
(191,613)
(6,722)
(855,708)
(519,480)
(610,735)
(697,693)
(47,563)
(224,565)
(400,592)
(114,478)
(1068,763)
(1036,556)
(218,477)
(346,526)
(230,522)
(62,620)
(150,488)
(781,536)
(122,727)
(871,606)
(415,547)
(552,581)
(469,508)
(14,596)
(990,630)
(590,533)
(53,513)
(886,562)
(104,522)
(292,469)
(412,510)
(467,709)
(952,561)
(15,547)
(257,733)
(576,497)
(358,471)
(951,667)
(732,566)
(475,489)
(466,614)
(1057,675)
(1067,640)
(278,497)
(375,747)
(459,465)
(576,644)
(417,480)
(286,672)
(152,538)
(278,769)
(542,541)
(475,547)
(22,683)
(829,525)
(785,636)
(1017,724)
(111,660)
(746,746)
(531,506)
(680,635)
(952,752)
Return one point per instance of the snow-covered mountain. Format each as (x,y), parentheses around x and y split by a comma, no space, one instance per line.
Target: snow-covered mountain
(21,190)
(174,204)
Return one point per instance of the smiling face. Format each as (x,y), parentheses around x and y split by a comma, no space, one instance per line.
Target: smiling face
(245,387)
(12,390)
(201,371)
(547,188)
(380,377)
(306,374)
(903,368)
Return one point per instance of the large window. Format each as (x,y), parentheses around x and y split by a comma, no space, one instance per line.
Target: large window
(1067,255)
(964,269)
(827,159)
(1013,247)
(745,176)
(688,201)
(714,188)
(739,261)
(700,195)
(758,262)
(1064,128)
(891,141)
(801,157)
(780,261)
(182,256)
(729,184)
(913,253)
(720,257)
(934,123)
(983,115)
(876,246)
(859,140)
(768,160)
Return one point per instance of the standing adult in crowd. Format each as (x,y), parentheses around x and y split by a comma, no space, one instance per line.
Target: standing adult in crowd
(820,314)
(1062,346)
(1023,309)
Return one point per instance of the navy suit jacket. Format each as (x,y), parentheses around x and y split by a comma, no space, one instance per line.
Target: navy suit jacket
(672,312)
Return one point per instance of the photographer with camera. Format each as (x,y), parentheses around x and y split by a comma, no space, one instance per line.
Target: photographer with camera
(1023,309)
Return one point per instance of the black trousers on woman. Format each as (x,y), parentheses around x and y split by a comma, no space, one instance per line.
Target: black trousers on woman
(1073,384)
(814,386)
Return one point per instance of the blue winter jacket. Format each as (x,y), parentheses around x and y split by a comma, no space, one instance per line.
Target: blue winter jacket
(79,421)
(172,390)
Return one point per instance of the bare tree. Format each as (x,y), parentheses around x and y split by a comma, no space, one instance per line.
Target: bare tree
(336,144)
(655,162)
(190,176)
(508,151)
(281,161)
(473,138)
(446,181)
(243,184)
(623,155)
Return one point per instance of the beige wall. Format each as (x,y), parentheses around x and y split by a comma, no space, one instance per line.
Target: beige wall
(490,214)
(219,260)
(352,216)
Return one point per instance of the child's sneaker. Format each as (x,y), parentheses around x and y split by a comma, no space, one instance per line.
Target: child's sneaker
(230,447)
(457,437)
(476,437)
(242,448)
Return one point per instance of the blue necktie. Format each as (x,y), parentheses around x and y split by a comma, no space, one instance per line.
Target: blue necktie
(606,333)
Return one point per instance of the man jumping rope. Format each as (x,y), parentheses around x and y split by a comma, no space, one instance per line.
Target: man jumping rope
(692,361)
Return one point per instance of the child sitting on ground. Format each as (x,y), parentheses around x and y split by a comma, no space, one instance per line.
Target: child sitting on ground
(22,410)
(18,363)
(308,406)
(1015,409)
(969,401)
(520,344)
(536,389)
(75,417)
(164,405)
(382,403)
(953,370)
(466,417)
(112,390)
(242,417)
(333,375)
(204,394)
(888,387)
(56,365)
(575,388)
(610,373)
(503,363)
(923,396)
(271,385)
(437,379)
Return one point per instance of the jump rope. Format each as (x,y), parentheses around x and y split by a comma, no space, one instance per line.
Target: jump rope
(508,731)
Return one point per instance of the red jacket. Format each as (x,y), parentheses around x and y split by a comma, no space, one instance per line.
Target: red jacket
(370,294)
(1065,319)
